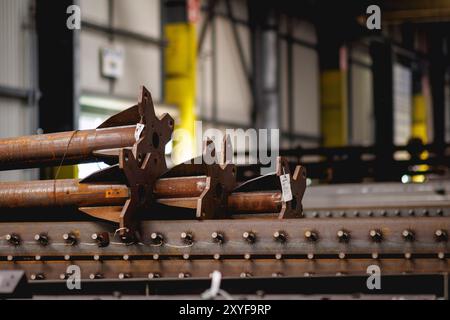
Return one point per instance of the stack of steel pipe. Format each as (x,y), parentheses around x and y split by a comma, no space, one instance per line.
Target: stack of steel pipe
(260,232)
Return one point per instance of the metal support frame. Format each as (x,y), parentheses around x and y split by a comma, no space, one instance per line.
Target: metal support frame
(290,80)
(211,12)
(215,85)
(437,71)
(58,85)
(284,134)
(383,101)
(56,45)
(237,40)
(15,93)
(123,33)
(349,94)
(206,23)
(264,32)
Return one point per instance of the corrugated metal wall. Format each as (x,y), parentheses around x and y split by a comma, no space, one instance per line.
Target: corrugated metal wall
(363,128)
(233,96)
(142,62)
(17,117)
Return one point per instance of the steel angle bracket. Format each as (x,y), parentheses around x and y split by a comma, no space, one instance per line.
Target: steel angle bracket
(220,179)
(141,166)
(297,182)
(293,208)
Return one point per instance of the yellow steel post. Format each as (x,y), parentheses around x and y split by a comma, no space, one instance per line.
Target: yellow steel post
(333,94)
(180,84)
(420,130)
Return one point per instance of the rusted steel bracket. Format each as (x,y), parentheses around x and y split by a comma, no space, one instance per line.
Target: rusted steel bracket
(142,166)
(212,203)
(72,147)
(297,183)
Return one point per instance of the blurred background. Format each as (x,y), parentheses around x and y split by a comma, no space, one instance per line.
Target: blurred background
(352,103)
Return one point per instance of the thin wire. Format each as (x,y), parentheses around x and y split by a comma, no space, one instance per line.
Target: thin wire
(61,163)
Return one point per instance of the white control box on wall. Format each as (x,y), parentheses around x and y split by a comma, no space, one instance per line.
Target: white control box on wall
(112,60)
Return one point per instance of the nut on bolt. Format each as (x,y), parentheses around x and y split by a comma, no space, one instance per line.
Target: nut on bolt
(102,239)
(218,237)
(408,235)
(441,235)
(157,238)
(376,235)
(187,237)
(13,239)
(70,238)
(37,276)
(343,236)
(280,236)
(311,235)
(42,239)
(249,236)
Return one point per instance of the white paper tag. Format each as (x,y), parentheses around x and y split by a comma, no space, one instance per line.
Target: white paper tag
(139,128)
(285,180)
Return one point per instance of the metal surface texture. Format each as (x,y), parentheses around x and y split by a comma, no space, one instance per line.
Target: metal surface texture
(233,268)
(363,200)
(72,147)
(137,221)
(181,192)
(407,238)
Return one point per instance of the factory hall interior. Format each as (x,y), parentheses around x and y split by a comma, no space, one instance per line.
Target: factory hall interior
(224,149)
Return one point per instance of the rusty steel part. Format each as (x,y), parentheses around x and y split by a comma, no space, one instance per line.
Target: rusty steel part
(182,192)
(74,147)
(182,187)
(255,202)
(232,268)
(248,203)
(60,193)
(142,166)
(70,192)
(289,209)
(407,238)
(212,203)
(293,208)
(79,146)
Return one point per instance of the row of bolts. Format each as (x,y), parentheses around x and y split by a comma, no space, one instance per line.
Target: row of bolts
(218,237)
(343,236)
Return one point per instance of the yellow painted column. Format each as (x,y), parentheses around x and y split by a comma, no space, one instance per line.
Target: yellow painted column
(180,85)
(419,119)
(333,96)
(420,129)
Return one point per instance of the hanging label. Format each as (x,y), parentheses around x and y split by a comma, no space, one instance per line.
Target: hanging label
(285,180)
(139,128)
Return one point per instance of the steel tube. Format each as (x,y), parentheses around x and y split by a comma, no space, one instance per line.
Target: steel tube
(255,202)
(72,146)
(183,187)
(178,192)
(60,193)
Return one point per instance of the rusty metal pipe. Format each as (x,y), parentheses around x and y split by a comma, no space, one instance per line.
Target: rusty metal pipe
(179,192)
(60,193)
(182,187)
(255,202)
(72,146)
